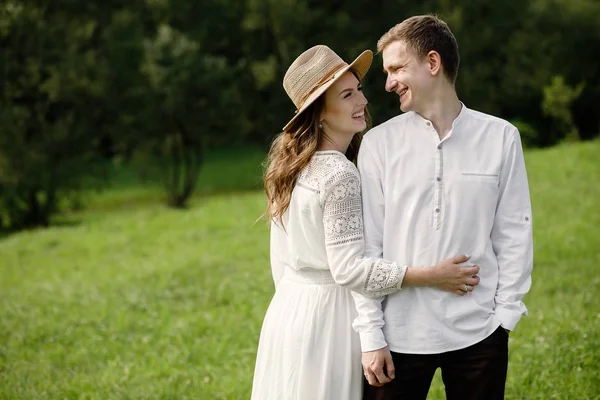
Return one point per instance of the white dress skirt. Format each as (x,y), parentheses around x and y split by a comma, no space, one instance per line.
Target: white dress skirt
(308,349)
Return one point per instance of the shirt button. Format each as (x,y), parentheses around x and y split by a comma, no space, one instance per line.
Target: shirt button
(526,218)
(439,146)
(437,210)
(428,123)
(438,179)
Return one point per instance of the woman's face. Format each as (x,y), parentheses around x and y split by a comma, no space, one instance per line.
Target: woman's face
(344,110)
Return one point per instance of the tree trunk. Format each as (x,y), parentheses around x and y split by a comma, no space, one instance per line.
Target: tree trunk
(185,159)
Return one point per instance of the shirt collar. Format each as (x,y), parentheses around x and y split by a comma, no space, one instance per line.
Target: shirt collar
(460,119)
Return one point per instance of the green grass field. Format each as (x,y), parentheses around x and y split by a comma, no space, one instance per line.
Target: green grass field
(131,300)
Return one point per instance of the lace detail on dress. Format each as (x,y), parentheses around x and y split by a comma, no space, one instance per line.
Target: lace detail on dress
(342,213)
(319,167)
(342,217)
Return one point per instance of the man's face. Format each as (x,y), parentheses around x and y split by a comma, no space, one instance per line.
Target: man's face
(407,76)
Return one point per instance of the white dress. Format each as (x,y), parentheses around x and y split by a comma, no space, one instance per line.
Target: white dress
(308,349)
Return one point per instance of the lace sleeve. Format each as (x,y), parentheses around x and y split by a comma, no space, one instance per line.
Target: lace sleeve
(342,211)
(344,238)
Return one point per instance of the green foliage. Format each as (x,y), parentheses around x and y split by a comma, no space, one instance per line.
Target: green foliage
(52,85)
(138,301)
(182,108)
(553,38)
(509,52)
(557,103)
(170,68)
(173,79)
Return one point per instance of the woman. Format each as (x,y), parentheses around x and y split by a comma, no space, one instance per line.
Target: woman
(307,349)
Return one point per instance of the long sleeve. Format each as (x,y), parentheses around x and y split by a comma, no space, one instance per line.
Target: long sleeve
(278,252)
(344,238)
(369,321)
(512,237)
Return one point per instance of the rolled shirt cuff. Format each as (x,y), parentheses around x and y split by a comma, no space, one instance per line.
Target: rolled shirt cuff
(509,317)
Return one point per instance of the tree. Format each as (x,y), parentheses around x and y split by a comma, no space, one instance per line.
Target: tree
(52,86)
(185,98)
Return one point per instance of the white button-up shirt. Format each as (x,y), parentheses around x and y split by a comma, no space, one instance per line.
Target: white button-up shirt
(426,199)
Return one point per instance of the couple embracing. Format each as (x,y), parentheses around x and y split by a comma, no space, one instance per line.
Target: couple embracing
(396,253)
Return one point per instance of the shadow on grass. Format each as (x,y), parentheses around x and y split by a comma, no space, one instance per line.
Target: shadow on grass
(59,221)
(157,198)
(225,172)
(67,221)
(73,218)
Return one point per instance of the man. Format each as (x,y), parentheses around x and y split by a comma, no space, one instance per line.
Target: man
(440,180)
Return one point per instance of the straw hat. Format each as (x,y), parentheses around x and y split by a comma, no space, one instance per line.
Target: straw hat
(315,70)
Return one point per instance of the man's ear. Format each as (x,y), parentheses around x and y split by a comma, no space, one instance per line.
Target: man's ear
(434,60)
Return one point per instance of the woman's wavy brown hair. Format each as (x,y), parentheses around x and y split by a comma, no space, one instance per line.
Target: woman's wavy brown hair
(291,151)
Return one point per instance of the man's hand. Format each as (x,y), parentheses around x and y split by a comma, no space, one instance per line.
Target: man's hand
(452,277)
(378,366)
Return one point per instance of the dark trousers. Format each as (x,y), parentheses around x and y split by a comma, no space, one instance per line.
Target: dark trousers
(476,372)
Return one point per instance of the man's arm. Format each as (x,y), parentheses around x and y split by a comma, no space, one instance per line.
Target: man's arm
(512,237)
(369,322)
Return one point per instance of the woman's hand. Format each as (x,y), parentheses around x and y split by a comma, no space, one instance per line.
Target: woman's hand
(450,276)
(447,275)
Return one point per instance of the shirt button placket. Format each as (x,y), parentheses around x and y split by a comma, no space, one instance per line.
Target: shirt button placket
(438,187)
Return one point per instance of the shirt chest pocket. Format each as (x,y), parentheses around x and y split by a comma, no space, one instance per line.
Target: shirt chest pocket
(479,191)
(479,177)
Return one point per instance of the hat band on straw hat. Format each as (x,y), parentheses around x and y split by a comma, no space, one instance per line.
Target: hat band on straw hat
(330,75)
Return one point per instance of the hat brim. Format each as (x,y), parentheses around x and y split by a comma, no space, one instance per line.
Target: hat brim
(360,66)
